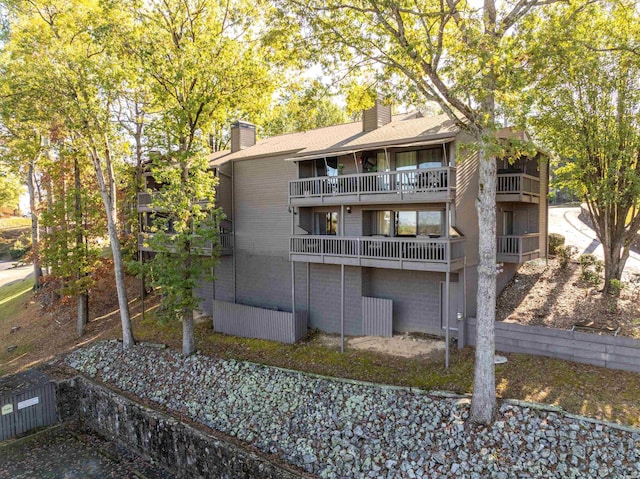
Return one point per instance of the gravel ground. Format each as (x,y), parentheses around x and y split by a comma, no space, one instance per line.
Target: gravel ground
(337,429)
(70,452)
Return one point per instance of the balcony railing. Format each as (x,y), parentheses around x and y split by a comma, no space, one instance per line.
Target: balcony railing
(145,201)
(518,187)
(432,184)
(429,254)
(518,248)
(225,242)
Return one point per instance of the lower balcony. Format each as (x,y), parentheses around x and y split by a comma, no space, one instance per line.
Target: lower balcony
(517,187)
(418,254)
(225,241)
(518,248)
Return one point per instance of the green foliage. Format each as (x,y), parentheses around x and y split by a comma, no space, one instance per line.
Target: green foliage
(591,268)
(584,104)
(556,241)
(615,287)
(301,108)
(19,248)
(72,244)
(185,236)
(10,189)
(566,255)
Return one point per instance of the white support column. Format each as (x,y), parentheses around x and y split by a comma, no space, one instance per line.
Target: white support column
(447,300)
(342,308)
(308,292)
(293,288)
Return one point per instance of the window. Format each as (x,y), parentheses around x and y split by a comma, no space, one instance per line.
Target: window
(507,223)
(425,223)
(382,223)
(382,162)
(326,166)
(423,159)
(406,160)
(406,223)
(431,158)
(430,223)
(326,223)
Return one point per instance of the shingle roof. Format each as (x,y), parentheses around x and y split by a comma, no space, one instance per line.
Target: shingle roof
(404,128)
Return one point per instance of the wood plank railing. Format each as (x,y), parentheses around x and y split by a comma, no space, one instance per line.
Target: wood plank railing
(518,244)
(518,183)
(434,250)
(428,180)
(225,242)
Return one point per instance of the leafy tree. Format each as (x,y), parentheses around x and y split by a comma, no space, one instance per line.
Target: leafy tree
(11,188)
(301,108)
(459,56)
(75,223)
(72,74)
(204,63)
(21,146)
(588,111)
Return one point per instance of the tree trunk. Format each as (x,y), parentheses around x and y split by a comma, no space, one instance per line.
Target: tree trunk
(188,336)
(108,193)
(614,261)
(35,230)
(83,313)
(83,298)
(483,402)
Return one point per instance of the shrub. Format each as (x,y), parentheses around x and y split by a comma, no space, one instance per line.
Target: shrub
(566,254)
(615,287)
(556,241)
(592,268)
(19,249)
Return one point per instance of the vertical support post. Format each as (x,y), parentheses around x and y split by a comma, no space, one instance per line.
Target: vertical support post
(447,300)
(140,253)
(447,220)
(293,289)
(293,266)
(233,237)
(308,292)
(342,308)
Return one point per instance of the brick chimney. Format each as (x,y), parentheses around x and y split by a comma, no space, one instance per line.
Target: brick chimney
(243,135)
(376,116)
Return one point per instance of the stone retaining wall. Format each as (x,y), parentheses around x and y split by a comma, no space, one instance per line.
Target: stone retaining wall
(180,448)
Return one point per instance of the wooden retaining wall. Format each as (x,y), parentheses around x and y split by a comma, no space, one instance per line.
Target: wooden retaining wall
(612,352)
(251,322)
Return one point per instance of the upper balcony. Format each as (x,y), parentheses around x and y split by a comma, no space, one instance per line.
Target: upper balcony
(145,202)
(518,248)
(432,185)
(418,254)
(518,187)
(225,241)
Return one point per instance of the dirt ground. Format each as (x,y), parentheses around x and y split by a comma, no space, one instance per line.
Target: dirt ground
(27,329)
(402,345)
(555,297)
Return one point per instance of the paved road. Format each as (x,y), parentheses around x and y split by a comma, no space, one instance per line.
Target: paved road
(566,222)
(9,274)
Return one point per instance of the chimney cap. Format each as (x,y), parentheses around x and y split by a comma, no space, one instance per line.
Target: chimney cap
(243,124)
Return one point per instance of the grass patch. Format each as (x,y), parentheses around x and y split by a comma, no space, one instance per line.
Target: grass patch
(13,296)
(577,388)
(14,222)
(12,229)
